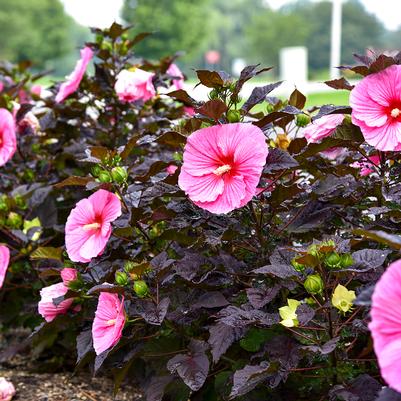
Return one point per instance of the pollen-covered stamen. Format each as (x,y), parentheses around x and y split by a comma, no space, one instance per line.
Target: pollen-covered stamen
(111,322)
(91,226)
(222,169)
(395,112)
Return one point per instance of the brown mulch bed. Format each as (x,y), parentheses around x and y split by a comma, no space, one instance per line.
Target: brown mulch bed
(64,387)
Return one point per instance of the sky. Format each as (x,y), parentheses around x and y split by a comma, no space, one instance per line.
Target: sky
(102,13)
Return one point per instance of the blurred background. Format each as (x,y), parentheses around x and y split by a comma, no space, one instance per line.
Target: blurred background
(218,34)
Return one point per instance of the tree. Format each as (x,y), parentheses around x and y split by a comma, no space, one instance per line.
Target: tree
(308,24)
(177,25)
(269,31)
(38,30)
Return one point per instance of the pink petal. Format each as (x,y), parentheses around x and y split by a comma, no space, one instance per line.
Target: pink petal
(8,139)
(201,189)
(4,261)
(94,245)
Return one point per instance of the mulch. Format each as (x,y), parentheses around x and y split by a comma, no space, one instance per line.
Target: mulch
(64,387)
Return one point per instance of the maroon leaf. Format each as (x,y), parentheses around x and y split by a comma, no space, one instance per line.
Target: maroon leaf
(213,109)
(193,367)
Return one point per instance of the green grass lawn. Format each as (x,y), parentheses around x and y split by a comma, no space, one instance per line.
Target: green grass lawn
(336,97)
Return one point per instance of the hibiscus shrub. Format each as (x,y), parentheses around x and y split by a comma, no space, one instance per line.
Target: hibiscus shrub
(204,250)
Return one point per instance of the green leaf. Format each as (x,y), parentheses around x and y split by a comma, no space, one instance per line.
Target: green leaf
(47,252)
(254,339)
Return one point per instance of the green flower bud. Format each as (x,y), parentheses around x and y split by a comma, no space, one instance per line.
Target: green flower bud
(314,284)
(302,120)
(333,260)
(233,116)
(96,170)
(299,267)
(104,176)
(4,203)
(119,174)
(346,260)
(121,278)
(140,288)
(314,251)
(14,220)
(129,266)
(269,107)
(213,94)
(20,201)
(117,159)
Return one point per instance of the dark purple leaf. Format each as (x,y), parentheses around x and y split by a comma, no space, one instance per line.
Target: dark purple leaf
(259,297)
(279,159)
(222,337)
(281,271)
(193,367)
(259,94)
(248,378)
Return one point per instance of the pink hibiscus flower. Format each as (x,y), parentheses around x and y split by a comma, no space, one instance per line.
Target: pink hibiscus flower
(367,167)
(322,127)
(46,307)
(222,166)
(88,226)
(376,108)
(171,169)
(108,323)
(174,71)
(8,139)
(7,390)
(4,261)
(134,85)
(386,324)
(73,80)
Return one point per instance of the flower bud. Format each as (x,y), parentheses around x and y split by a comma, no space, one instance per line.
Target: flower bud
(14,220)
(333,260)
(302,120)
(233,116)
(346,260)
(104,176)
(314,251)
(119,174)
(213,94)
(299,267)
(314,284)
(129,266)
(140,288)
(96,170)
(269,107)
(121,278)
(3,203)
(20,201)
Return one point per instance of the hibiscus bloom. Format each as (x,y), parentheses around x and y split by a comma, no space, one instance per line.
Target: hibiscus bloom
(109,322)
(222,166)
(88,226)
(46,306)
(367,167)
(134,85)
(7,390)
(8,139)
(386,324)
(178,81)
(322,127)
(376,108)
(4,261)
(73,80)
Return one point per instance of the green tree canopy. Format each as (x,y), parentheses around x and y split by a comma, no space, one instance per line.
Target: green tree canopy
(177,25)
(38,30)
(308,24)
